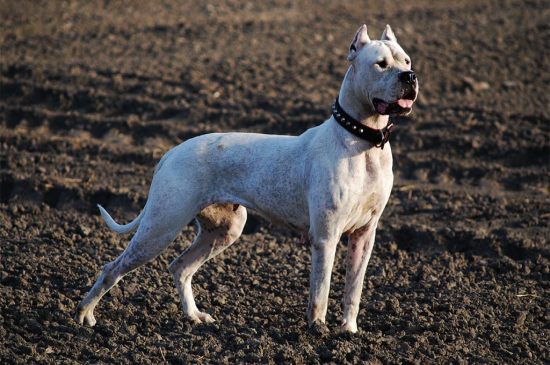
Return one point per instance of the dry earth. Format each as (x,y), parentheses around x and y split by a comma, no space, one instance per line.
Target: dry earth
(93,93)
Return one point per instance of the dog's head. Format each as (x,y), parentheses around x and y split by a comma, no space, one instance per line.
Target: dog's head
(381,73)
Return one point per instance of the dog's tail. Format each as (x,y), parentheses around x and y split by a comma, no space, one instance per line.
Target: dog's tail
(120,228)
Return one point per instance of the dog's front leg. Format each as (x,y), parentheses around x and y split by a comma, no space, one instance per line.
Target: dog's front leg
(323,249)
(360,246)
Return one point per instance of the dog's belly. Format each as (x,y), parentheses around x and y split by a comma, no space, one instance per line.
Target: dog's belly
(279,205)
(296,223)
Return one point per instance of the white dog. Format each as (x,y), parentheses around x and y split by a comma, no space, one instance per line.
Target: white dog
(331,180)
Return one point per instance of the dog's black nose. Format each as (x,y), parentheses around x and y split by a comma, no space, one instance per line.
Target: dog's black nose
(408,77)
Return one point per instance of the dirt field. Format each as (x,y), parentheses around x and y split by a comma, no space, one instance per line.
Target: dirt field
(92,95)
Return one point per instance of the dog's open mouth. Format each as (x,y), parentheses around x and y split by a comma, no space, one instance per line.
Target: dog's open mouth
(399,106)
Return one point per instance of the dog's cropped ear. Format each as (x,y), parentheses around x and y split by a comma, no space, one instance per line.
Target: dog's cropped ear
(387,34)
(361,38)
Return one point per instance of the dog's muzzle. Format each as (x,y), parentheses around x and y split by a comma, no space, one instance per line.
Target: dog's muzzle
(404,104)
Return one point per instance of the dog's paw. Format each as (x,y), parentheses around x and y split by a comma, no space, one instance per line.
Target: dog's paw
(349,327)
(201,317)
(85,315)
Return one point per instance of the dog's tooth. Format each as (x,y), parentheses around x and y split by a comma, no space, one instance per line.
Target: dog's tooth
(361,130)
(354,127)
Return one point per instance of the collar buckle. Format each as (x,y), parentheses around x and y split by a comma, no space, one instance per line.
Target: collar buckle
(385,135)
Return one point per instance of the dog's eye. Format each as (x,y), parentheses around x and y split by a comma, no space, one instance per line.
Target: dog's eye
(407,61)
(382,63)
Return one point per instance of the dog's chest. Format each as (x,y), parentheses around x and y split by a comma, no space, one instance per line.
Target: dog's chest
(365,209)
(370,194)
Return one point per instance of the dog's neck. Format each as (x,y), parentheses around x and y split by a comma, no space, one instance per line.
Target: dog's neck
(357,107)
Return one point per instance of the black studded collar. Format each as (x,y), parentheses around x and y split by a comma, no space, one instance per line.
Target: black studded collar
(378,137)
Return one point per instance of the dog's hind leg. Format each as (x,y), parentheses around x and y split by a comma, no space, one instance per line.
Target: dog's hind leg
(154,234)
(114,271)
(219,226)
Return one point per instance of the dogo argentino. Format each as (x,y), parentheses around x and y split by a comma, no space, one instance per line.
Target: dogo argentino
(333,179)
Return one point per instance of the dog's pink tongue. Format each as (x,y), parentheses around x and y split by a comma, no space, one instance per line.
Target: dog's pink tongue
(381,107)
(405,103)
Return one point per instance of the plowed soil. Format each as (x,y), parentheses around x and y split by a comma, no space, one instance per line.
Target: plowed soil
(93,93)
